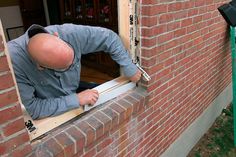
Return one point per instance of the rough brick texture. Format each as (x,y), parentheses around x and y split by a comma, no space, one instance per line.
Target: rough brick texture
(14,139)
(184,47)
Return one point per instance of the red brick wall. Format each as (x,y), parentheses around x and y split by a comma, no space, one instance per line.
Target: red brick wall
(184,47)
(14,139)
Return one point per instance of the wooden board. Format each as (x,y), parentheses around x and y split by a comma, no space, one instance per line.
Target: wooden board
(123,22)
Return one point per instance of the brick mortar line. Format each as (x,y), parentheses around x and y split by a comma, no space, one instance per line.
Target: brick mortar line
(141,136)
(118,114)
(5,73)
(14,135)
(21,146)
(132,106)
(7,90)
(103,128)
(9,122)
(173,21)
(209,39)
(85,135)
(63,147)
(2,54)
(72,139)
(94,129)
(9,106)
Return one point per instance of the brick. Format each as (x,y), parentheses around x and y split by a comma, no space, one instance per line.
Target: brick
(186,22)
(138,97)
(98,126)
(67,143)
(78,136)
(13,143)
(10,113)
(180,32)
(149,21)
(127,106)
(41,150)
(199,3)
(4,64)
(181,15)
(148,2)
(13,127)
(153,9)
(106,152)
(112,115)
(149,62)
(172,26)
(6,81)
(23,151)
(104,144)
(90,153)
(134,103)
(121,112)
(192,12)
(105,120)
(88,131)
(166,37)
(174,7)
(164,18)
(149,42)
(7,98)
(54,147)
(148,53)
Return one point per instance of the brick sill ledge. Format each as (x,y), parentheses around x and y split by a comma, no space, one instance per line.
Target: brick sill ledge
(76,137)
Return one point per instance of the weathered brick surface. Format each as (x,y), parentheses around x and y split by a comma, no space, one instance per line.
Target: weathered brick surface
(184,47)
(14,139)
(97,133)
(4,65)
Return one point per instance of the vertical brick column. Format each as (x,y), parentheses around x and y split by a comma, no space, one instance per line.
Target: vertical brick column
(14,139)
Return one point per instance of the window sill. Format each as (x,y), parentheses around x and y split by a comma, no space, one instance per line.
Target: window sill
(80,133)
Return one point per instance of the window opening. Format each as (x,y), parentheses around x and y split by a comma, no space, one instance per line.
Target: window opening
(116,86)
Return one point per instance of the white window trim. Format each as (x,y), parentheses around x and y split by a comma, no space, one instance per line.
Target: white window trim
(107,91)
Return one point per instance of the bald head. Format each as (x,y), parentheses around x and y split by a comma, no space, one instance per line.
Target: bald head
(50,51)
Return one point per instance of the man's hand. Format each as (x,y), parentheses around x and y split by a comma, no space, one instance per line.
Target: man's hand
(136,77)
(88,97)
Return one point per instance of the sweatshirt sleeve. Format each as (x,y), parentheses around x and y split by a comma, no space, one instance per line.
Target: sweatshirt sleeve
(94,39)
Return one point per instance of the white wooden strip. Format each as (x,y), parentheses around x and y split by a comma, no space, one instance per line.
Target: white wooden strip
(47,124)
(123,22)
(104,97)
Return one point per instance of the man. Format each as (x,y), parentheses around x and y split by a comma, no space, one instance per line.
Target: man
(47,64)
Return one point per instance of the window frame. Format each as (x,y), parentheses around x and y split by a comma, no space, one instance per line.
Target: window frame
(107,90)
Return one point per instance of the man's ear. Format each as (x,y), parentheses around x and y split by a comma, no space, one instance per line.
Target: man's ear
(56,34)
